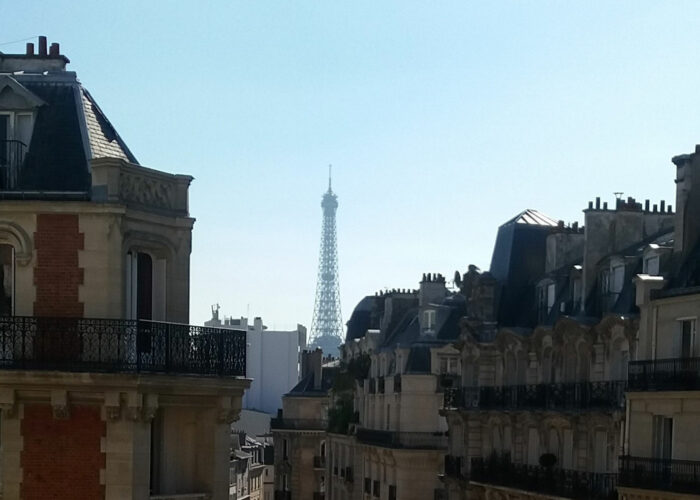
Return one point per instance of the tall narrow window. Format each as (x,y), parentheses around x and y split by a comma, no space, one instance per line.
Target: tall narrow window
(145,287)
(7,280)
(687,338)
(662,435)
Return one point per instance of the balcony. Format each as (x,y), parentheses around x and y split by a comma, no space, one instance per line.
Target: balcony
(679,476)
(576,396)
(298,424)
(319,462)
(116,345)
(573,484)
(11,161)
(680,374)
(409,440)
(283,495)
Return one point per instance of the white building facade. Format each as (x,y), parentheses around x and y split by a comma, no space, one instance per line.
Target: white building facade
(272,360)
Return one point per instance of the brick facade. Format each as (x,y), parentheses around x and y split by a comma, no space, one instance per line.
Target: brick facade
(57,274)
(62,458)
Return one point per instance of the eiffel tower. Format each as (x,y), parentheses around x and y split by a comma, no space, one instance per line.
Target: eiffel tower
(327,324)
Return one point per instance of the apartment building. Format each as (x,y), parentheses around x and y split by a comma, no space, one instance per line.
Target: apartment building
(545,344)
(251,463)
(299,432)
(662,445)
(399,358)
(106,391)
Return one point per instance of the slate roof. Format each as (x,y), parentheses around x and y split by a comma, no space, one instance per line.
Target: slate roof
(69,130)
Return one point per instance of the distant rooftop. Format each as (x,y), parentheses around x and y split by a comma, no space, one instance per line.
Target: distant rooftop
(533,218)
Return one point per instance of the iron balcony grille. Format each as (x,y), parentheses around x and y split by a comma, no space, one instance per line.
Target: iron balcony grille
(578,485)
(300,424)
(11,161)
(605,395)
(394,439)
(679,476)
(680,374)
(117,345)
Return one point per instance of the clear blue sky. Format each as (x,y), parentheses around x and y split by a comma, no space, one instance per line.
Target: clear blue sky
(442,120)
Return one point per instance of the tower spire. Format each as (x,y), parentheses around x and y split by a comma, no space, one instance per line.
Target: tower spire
(330,166)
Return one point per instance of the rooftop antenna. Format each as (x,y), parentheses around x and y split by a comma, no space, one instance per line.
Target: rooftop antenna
(618,194)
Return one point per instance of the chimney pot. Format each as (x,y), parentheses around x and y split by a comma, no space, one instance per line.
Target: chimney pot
(605,205)
(54,50)
(42,46)
(646,205)
(670,210)
(590,205)
(597,202)
(655,209)
(30,49)
(662,206)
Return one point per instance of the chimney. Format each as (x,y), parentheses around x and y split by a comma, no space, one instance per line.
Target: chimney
(54,50)
(311,362)
(42,46)
(686,223)
(30,49)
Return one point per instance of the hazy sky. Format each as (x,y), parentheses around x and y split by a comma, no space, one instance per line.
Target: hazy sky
(442,120)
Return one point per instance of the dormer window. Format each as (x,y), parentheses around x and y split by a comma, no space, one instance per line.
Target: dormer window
(15,133)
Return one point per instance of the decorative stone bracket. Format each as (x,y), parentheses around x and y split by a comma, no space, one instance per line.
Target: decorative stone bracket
(137,407)
(8,403)
(229,409)
(59,404)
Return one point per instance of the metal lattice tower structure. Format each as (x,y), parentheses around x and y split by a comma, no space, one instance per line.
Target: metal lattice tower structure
(327,323)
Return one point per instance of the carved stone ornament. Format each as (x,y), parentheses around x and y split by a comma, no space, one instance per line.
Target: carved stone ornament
(149,413)
(9,410)
(144,190)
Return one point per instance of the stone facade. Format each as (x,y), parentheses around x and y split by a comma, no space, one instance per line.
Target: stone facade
(100,397)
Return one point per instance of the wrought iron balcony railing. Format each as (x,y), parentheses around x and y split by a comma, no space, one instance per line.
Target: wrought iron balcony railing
(679,476)
(116,345)
(299,424)
(11,160)
(607,395)
(394,439)
(573,484)
(680,374)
